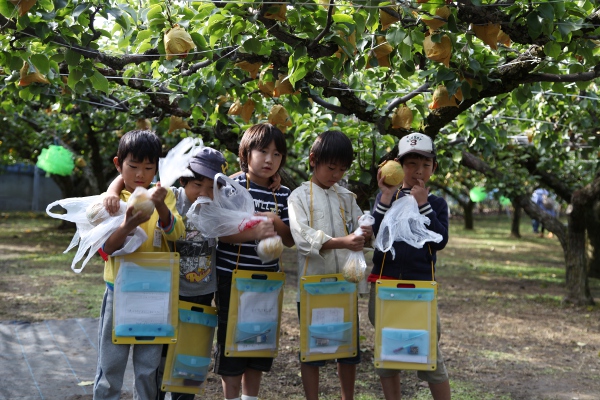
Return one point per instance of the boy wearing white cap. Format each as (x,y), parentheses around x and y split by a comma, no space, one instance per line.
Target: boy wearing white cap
(416,154)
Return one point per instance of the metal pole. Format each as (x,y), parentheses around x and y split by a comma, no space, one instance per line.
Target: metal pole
(36,189)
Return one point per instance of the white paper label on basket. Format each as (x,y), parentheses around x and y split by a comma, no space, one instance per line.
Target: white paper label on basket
(324,316)
(142,308)
(258,307)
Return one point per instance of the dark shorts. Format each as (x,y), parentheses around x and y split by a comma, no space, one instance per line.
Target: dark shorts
(348,360)
(231,366)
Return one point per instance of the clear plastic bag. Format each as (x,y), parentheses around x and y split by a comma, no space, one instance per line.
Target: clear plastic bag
(94,227)
(404,223)
(175,164)
(356,265)
(231,211)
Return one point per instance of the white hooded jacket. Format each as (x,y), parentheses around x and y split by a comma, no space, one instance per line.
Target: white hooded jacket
(327,222)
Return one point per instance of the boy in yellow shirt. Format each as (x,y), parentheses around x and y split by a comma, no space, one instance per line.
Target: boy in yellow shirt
(137,162)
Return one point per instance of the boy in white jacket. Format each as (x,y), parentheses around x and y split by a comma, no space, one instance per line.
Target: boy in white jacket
(323,216)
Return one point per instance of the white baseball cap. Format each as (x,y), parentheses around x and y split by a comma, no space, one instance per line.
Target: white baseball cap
(416,143)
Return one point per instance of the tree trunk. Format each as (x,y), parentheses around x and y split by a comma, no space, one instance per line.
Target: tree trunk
(593,244)
(468,210)
(516,221)
(578,291)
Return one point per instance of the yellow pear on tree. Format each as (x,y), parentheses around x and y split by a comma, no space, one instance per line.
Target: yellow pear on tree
(440,52)
(440,18)
(23,5)
(30,74)
(265,86)
(279,117)
(144,124)
(252,68)
(247,110)
(441,98)
(386,19)
(178,42)
(176,122)
(277,12)
(503,38)
(402,118)
(488,33)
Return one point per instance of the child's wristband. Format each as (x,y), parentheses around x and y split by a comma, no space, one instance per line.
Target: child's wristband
(169,227)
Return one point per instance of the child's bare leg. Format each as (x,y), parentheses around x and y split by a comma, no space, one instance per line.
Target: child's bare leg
(440,391)
(391,387)
(231,386)
(251,382)
(347,374)
(310,381)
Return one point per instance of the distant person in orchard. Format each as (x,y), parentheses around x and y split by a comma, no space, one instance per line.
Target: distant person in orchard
(416,154)
(541,197)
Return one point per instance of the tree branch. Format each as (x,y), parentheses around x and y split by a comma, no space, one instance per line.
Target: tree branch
(327,25)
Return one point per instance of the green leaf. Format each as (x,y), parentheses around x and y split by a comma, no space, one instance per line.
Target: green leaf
(72,58)
(75,75)
(559,8)
(184,103)
(534,25)
(41,62)
(143,35)
(99,82)
(238,26)
(474,65)
(327,72)
(552,49)
(154,12)
(395,37)
(80,9)
(298,74)
(546,11)
(6,8)
(343,18)
(252,45)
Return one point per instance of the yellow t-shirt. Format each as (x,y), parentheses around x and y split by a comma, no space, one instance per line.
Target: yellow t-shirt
(151,228)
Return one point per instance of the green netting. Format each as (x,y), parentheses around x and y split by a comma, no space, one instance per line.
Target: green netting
(477,194)
(505,201)
(56,160)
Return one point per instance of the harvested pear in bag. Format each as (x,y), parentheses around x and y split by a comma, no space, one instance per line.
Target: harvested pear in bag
(355,267)
(140,201)
(96,213)
(270,248)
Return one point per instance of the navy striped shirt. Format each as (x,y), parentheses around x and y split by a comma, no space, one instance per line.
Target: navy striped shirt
(264,201)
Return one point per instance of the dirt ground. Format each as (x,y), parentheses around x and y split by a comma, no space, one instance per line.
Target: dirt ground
(494,339)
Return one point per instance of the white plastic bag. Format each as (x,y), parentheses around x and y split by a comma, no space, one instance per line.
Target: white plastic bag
(231,211)
(175,164)
(94,227)
(356,265)
(404,223)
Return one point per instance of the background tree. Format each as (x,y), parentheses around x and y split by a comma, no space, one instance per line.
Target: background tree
(483,71)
